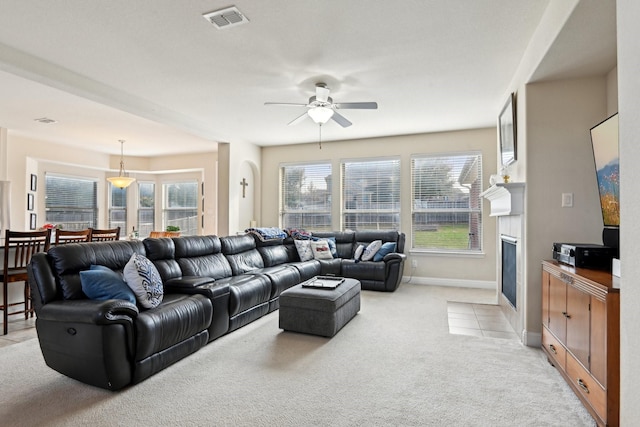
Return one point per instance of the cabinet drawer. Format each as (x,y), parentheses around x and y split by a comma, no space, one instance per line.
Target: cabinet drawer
(554,348)
(587,386)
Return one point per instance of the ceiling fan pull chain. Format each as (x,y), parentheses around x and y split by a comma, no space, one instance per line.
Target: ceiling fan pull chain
(320,137)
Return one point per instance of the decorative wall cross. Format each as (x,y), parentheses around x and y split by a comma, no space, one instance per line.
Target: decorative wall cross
(244,184)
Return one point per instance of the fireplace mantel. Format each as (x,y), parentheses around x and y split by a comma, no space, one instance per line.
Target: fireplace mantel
(505,198)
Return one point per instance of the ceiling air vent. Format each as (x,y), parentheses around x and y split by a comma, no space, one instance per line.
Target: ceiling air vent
(226,18)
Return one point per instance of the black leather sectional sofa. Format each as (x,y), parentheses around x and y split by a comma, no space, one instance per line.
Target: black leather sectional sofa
(212,286)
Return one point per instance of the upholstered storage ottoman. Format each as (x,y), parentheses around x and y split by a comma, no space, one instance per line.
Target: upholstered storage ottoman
(319,311)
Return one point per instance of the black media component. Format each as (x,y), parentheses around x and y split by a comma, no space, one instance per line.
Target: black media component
(585,255)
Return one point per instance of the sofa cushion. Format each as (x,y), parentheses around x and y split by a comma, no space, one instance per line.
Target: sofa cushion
(177,318)
(370,250)
(304,250)
(241,253)
(69,260)
(144,280)
(162,253)
(102,283)
(363,270)
(247,291)
(385,249)
(321,249)
(274,254)
(358,252)
(212,265)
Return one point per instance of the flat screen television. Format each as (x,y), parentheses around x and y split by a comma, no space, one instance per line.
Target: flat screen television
(604,140)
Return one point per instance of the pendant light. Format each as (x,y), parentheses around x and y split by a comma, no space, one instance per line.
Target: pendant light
(122,180)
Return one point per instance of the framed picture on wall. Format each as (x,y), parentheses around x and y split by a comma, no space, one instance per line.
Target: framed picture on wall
(33,221)
(507,129)
(34,182)
(30,201)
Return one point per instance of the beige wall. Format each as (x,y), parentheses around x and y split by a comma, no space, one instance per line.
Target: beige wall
(237,161)
(628,12)
(472,270)
(559,159)
(26,156)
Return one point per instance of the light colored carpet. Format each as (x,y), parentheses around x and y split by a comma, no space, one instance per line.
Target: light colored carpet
(394,364)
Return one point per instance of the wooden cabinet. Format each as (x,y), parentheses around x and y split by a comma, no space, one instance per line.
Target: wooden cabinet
(581,335)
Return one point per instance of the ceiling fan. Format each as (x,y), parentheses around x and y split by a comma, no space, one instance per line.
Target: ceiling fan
(321,108)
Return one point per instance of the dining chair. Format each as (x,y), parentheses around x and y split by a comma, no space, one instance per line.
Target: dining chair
(98,235)
(72,236)
(19,247)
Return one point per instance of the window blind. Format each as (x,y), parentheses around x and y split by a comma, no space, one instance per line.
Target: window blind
(305,200)
(118,208)
(180,206)
(446,202)
(146,208)
(71,202)
(371,194)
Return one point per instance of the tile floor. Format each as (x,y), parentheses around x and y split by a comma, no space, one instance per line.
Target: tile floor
(481,320)
(19,330)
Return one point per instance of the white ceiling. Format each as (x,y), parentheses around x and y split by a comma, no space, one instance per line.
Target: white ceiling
(157,74)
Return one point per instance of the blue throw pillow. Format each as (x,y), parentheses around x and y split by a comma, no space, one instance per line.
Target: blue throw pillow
(102,283)
(386,248)
(332,246)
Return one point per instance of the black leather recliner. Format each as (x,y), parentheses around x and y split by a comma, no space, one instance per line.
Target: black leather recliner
(111,343)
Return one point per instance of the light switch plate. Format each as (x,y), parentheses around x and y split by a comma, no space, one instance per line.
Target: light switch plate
(567,200)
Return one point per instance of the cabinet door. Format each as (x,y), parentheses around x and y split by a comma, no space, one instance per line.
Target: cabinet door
(545,298)
(557,308)
(578,324)
(598,362)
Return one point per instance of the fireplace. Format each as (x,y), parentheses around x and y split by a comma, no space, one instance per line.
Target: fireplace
(509,262)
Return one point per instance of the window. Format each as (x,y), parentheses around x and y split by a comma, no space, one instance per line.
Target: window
(371,194)
(118,208)
(446,202)
(305,200)
(146,208)
(180,206)
(71,202)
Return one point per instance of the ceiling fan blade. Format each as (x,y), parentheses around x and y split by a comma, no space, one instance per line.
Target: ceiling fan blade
(298,119)
(357,105)
(322,93)
(341,120)
(285,104)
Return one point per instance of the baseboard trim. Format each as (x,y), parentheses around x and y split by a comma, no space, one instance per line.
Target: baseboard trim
(455,283)
(531,339)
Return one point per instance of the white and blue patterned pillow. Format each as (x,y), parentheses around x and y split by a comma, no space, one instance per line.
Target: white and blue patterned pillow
(304,249)
(358,253)
(144,280)
(371,250)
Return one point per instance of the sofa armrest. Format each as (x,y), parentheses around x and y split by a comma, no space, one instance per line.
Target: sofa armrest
(89,311)
(182,283)
(218,293)
(394,256)
(394,268)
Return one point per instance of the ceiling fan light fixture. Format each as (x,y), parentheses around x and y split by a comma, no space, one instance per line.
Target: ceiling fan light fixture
(321,115)
(122,180)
